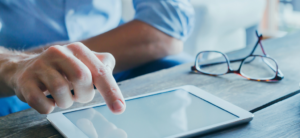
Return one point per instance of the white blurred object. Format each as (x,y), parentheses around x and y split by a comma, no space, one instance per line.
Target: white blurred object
(289,17)
(220,25)
(292,19)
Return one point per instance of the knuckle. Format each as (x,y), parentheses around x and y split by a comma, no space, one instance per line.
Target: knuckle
(76,46)
(113,90)
(54,52)
(102,72)
(82,75)
(32,100)
(54,49)
(108,60)
(109,57)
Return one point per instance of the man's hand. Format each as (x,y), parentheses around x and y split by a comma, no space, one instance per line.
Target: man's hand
(59,69)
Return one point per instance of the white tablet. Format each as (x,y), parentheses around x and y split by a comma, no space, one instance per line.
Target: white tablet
(178,112)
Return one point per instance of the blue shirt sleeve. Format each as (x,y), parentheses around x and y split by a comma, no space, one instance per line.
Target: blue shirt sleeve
(173,17)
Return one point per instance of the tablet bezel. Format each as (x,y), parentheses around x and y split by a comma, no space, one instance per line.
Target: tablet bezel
(68,129)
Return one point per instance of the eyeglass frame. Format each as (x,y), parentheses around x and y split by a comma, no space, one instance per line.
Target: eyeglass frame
(279,76)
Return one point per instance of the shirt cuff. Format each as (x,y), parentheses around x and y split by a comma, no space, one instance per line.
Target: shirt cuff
(173,17)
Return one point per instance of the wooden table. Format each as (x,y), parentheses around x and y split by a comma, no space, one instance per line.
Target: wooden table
(281,119)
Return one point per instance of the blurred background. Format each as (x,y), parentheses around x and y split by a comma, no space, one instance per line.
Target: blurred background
(227,25)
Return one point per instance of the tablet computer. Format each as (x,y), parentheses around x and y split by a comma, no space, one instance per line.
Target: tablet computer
(179,112)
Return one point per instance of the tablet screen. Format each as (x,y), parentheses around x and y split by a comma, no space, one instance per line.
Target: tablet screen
(160,115)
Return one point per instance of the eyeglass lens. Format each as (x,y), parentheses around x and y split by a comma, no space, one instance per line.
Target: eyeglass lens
(212,62)
(257,67)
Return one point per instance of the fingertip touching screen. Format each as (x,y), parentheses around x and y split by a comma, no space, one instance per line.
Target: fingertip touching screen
(154,116)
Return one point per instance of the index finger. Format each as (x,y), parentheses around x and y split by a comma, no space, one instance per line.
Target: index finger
(102,77)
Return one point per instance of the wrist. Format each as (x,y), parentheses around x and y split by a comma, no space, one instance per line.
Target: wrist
(9,65)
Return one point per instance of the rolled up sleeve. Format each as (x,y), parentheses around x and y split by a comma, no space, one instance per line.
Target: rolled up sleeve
(173,17)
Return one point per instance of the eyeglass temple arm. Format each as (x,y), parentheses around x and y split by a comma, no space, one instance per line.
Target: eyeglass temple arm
(263,50)
(236,60)
(216,63)
(258,42)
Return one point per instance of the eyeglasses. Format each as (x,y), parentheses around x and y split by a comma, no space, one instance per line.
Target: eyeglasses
(252,67)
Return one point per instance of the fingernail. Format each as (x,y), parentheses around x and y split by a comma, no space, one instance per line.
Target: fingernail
(118,106)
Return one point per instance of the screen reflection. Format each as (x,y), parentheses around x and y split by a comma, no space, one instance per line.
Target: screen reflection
(95,125)
(154,116)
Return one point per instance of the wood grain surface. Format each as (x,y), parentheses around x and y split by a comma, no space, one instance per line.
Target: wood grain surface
(233,88)
(281,120)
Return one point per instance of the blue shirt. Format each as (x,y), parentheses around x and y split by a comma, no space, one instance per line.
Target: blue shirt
(28,23)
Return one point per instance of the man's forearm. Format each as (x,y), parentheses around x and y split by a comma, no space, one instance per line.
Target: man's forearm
(134,43)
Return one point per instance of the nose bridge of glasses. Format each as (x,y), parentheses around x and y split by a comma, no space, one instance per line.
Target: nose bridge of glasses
(234,71)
